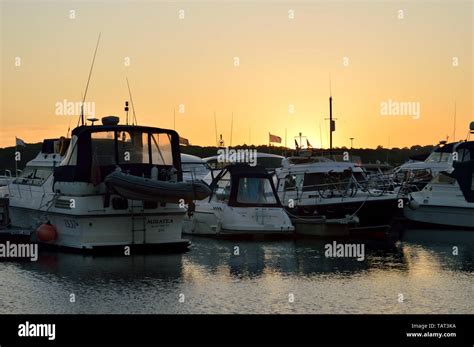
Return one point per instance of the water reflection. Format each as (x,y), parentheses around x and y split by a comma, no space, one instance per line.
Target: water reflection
(219,276)
(77,267)
(451,249)
(291,257)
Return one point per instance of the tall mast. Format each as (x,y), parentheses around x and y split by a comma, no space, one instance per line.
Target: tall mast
(330,125)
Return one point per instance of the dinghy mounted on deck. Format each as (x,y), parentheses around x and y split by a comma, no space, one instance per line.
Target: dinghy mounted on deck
(152,189)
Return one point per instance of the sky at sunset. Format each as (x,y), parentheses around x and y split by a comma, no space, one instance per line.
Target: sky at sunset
(183,56)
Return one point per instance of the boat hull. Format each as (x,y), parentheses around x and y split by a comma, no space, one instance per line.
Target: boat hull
(226,221)
(441,215)
(322,227)
(107,230)
(371,212)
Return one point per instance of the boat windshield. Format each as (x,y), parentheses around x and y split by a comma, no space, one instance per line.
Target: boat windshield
(254,190)
(439,157)
(196,169)
(133,147)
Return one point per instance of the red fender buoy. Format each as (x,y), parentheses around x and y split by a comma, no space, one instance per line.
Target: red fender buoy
(47,232)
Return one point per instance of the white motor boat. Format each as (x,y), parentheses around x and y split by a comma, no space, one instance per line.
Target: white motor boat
(66,192)
(448,199)
(319,187)
(243,202)
(415,174)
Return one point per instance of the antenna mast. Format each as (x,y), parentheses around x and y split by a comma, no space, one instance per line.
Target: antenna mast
(215,128)
(88,80)
(131,101)
(231,129)
(454,132)
(332,121)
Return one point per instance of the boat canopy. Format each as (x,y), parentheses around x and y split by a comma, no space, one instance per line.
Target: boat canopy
(242,185)
(444,153)
(96,151)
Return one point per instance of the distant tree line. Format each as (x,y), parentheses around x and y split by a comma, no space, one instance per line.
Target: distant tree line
(392,156)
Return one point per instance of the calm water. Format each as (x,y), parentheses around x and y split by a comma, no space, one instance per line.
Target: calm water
(420,266)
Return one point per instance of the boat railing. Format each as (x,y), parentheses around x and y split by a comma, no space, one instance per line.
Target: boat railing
(376,185)
(412,181)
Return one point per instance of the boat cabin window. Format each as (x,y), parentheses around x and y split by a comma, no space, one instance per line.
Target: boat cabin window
(421,174)
(444,179)
(254,190)
(293,182)
(34,176)
(313,181)
(133,147)
(103,148)
(161,150)
(464,154)
(325,180)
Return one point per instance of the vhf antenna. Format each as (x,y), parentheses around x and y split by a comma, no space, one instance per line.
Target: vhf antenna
(88,80)
(215,128)
(131,101)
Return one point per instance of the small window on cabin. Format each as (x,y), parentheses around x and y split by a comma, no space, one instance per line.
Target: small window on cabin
(161,149)
(221,191)
(290,182)
(313,182)
(464,155)
(293,182)
(103,148)
(34,176)
(444,179)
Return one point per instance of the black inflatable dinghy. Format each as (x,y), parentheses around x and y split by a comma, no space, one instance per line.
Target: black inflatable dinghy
(140,188)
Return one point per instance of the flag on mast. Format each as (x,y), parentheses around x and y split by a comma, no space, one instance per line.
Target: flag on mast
(274,138)
(183,141)
(19,142)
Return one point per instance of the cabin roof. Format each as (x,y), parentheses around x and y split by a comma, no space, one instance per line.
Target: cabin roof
(191,159)
(79,131)
(245,169)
